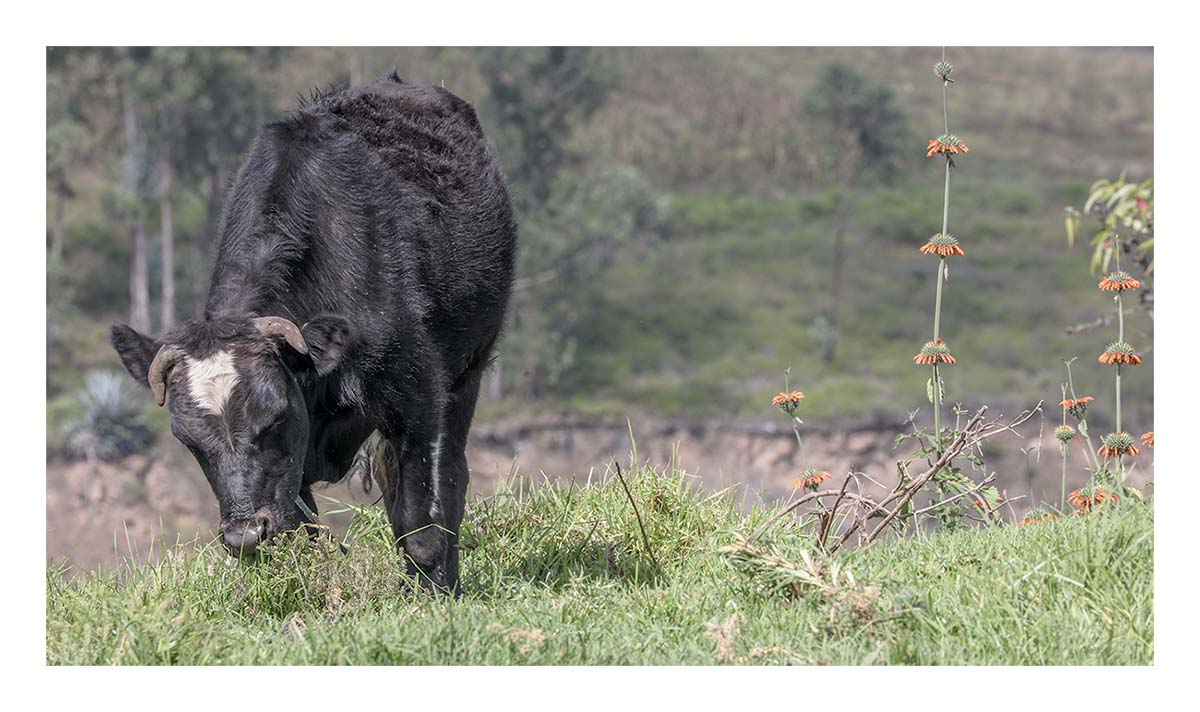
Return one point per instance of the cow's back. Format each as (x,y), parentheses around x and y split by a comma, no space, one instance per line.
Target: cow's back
(429,137)
(382,202)
(453,187)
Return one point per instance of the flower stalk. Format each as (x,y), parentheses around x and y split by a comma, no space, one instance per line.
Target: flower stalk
(789,401)
(1120,329)
(1064,434)
(947,145)
(1078,409)
(1118,443)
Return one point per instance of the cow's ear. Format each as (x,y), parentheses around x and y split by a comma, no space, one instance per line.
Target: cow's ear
(328,339)
(135,349)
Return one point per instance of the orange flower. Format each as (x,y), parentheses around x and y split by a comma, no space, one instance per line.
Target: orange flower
(1112,359)
(788,401)
(1119,352)
(1069,404)
(1110,451)
(1116,445)
(944,245)
(934,352)
(1077,407)
(1119,281)
(1087,498)
(1036,517)
(946,143)
(1148,439)
(1077,498)
(810,479)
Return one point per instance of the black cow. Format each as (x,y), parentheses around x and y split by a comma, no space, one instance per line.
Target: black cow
(364,266)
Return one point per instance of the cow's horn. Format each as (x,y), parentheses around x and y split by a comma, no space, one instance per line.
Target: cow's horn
(273,326)
(157,375)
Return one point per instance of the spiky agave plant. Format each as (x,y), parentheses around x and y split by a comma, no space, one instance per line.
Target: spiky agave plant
(111,425)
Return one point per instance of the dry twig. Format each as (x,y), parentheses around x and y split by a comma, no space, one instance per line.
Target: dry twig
(890,507)
(636,513)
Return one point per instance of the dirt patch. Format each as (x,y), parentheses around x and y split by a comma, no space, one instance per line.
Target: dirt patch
(96,515)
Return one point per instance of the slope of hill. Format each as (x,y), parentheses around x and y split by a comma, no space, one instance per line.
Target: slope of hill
(701,310)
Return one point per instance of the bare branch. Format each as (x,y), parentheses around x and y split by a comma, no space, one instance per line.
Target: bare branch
(645,539)
(889,508)
(1089,326)
(983,483)
(805,499)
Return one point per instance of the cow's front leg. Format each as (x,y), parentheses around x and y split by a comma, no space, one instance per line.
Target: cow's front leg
(418,511)
(416,397)
(455,475)
(417,508)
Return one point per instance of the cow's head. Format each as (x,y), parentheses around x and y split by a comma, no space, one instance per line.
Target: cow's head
(234,390)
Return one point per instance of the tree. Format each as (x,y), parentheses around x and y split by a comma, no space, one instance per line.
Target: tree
(539,96)
(1126,210)
(68,145)
(133,173)
(207,102)
(602,215)
(861,132)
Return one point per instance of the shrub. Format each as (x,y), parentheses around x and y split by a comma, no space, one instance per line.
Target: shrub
(111,424)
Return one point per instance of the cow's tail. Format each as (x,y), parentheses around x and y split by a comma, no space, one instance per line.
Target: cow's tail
(376,462)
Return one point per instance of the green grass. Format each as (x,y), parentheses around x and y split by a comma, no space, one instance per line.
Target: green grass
(559,575)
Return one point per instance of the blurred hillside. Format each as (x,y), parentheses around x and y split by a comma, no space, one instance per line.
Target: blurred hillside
(678,211)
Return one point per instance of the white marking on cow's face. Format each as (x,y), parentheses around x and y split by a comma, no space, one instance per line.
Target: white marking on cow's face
(211,380)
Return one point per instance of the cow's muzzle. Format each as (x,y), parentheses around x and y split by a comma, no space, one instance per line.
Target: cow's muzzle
(242,537)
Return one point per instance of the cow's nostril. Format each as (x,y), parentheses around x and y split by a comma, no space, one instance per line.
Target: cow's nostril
(243,538)
(263,526)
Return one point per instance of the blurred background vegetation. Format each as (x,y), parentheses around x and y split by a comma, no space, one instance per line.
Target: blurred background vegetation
(693,220)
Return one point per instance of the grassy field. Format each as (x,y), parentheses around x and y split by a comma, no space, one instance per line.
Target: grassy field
(561,575)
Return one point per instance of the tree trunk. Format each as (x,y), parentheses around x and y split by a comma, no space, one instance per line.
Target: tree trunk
(208,236)
(58,230)
(260,69)
(54,297)
(495,382)
(836,270)
(847,169)
(358,65)
(166,187)
(139,281)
